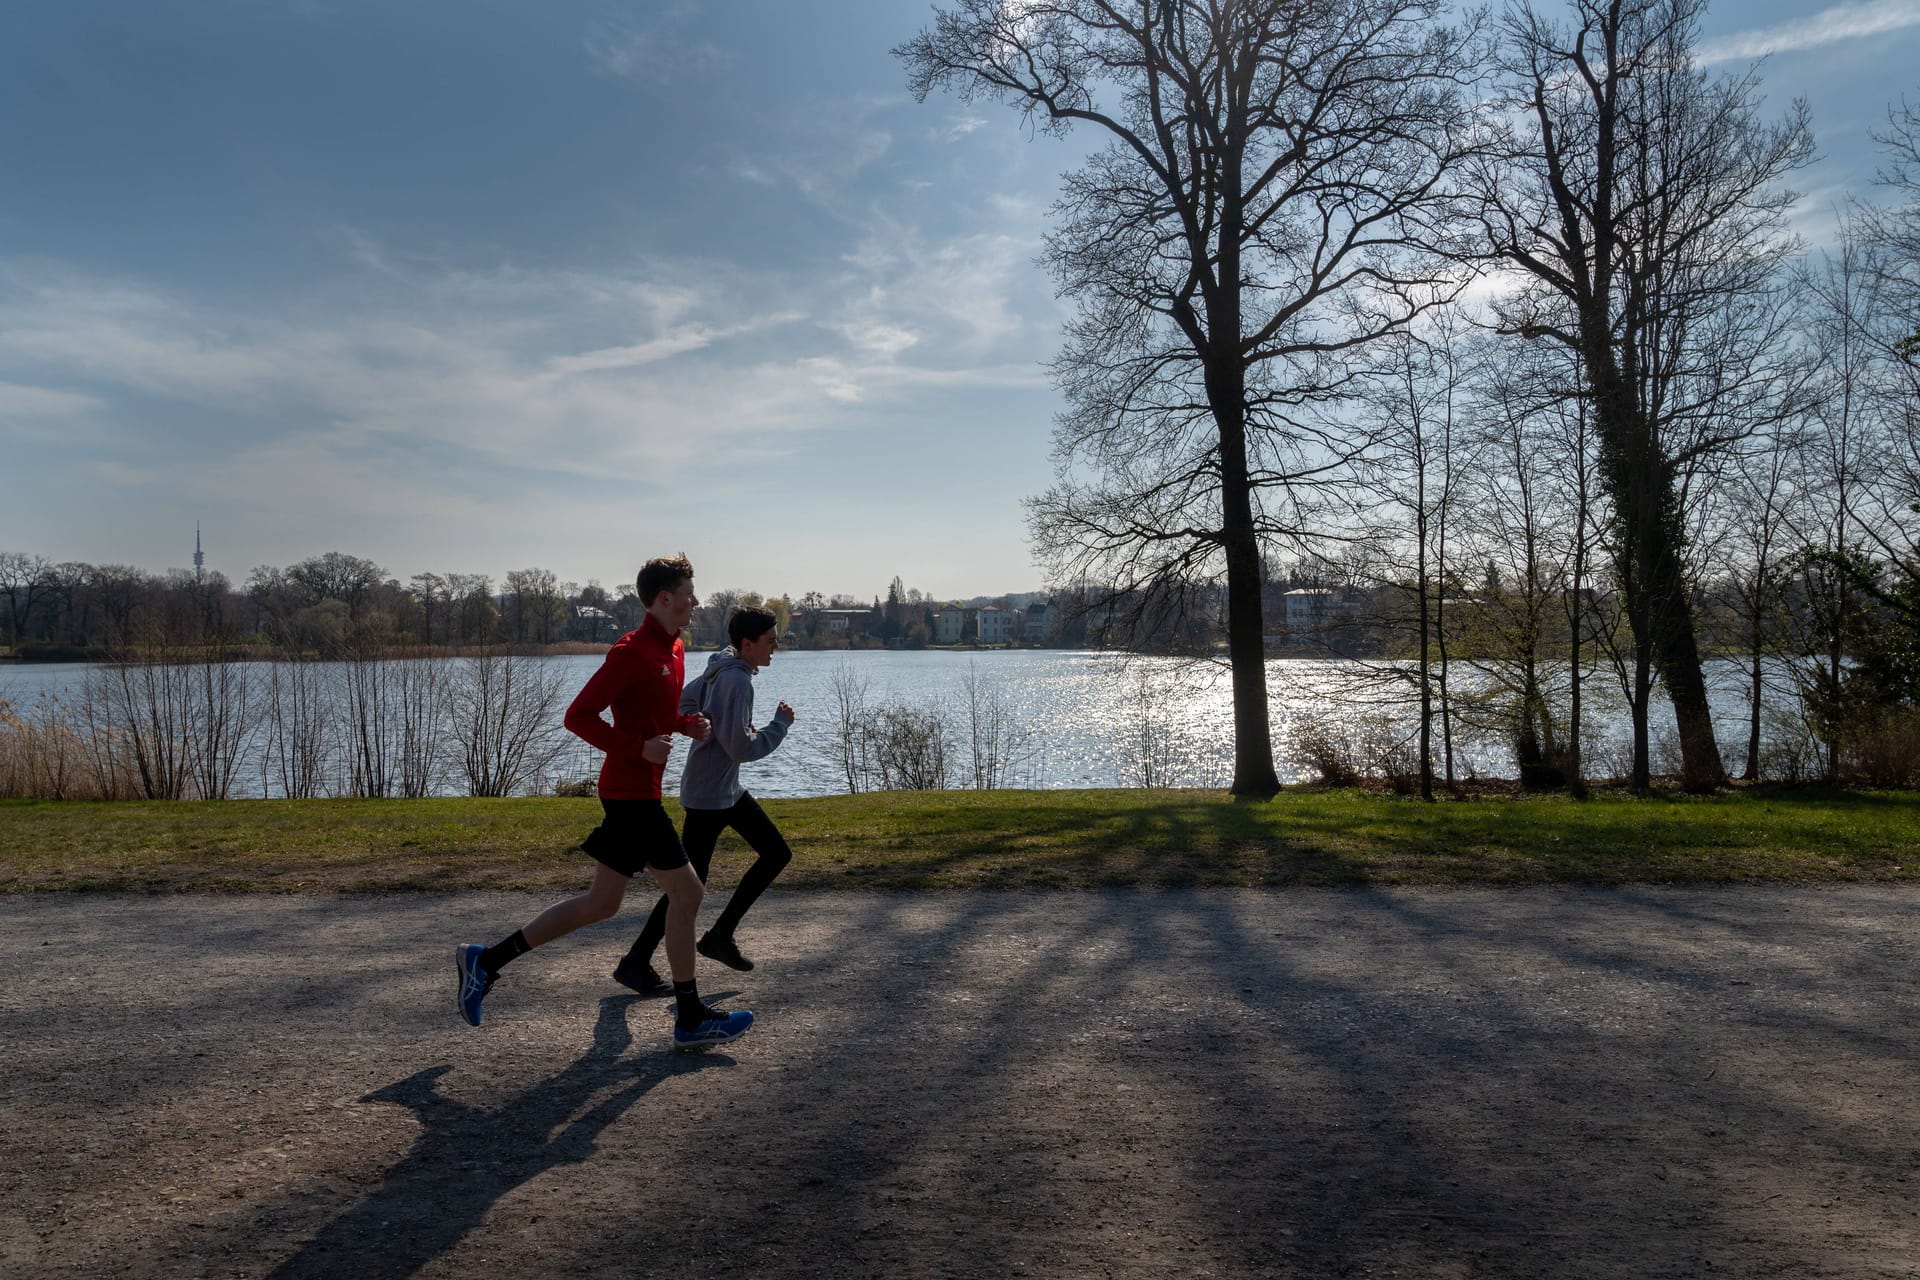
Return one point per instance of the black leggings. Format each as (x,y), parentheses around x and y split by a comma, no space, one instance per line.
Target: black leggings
(700,835)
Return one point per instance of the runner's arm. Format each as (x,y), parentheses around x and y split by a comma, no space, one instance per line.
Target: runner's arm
(583,714)
(731,705)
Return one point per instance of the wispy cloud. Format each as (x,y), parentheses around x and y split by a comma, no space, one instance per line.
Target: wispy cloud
(960,291)
(823,150)
(959,128)
(20,401)
(653,54)
(1829,26)
(665,347)
(491,366)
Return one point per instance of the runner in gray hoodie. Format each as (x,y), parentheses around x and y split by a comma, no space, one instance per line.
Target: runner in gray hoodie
(711,793)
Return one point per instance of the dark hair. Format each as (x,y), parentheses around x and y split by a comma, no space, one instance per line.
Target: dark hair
(749,622)
(663,573)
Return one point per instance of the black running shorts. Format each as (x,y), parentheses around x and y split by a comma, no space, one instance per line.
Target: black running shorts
(635,834)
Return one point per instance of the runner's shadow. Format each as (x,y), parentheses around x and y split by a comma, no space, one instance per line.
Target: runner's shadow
(466,1157)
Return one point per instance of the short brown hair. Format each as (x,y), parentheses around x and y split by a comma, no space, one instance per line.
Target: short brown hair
(749,622)
(663,573)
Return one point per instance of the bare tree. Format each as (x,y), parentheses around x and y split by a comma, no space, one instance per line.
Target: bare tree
(1272,174)
(25,580)
(1521,538)
(1639,195)
(1572,452)
(431,591)
(337,576)
(1413,477)
(539,608)
(470,597)
(1760,496)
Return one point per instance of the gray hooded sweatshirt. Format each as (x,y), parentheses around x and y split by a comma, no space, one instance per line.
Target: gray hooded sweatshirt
(724,695)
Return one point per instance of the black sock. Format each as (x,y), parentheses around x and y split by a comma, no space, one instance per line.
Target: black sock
(495,957)
(687,994)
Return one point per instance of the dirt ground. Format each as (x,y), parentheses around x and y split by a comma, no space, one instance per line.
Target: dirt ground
(1433,1083)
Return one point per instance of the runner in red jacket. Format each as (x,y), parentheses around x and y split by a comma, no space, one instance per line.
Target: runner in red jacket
(640,681)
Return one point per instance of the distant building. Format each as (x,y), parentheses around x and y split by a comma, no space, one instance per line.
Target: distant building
(846,622)
(1306,605)
(997,626)
(1309,607)
(1039,624)
(949,625)
(596,624)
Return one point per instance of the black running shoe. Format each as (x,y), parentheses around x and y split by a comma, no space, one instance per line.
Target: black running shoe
(724,950)
(641,977)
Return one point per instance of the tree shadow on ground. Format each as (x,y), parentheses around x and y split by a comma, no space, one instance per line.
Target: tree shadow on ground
(466,1158)
(1363,1083)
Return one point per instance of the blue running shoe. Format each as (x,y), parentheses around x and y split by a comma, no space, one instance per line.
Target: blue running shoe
(475,981)
(718,1029)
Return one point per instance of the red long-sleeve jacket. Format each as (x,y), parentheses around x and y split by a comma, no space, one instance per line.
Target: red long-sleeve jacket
(640,681)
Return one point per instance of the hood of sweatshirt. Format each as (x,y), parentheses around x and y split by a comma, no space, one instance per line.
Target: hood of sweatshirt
(725,660)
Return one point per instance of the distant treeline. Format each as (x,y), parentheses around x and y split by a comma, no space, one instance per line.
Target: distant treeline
(335,605)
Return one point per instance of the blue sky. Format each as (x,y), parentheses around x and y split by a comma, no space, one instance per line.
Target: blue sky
(477,285)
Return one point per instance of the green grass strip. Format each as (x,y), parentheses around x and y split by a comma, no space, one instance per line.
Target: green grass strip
(991,839)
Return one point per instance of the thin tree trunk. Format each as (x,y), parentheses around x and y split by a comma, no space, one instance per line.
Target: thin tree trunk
(1426,673)
(1642,779)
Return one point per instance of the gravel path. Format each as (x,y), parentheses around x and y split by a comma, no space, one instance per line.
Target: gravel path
(1465,1083)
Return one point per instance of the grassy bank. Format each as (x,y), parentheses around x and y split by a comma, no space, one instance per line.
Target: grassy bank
(968,839)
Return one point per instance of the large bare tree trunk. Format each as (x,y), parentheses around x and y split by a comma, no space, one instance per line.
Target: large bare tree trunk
(1678,654)
(1253,772)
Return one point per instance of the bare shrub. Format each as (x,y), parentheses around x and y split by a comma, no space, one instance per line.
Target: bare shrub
(1664,754)
(1342,751)
(419,698)
(1149,703)
(395,708)
(998,740)
(159,721)
(1883,750)
(504,708)
(1789,749)
(881,746)
(144,699)
(1607,759)
(299,723)
(1396,757)
(844,746)
(222,717)
(367,697)
(1321,745)
(907,748)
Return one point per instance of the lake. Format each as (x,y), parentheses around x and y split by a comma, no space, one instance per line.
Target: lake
(1090,718)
